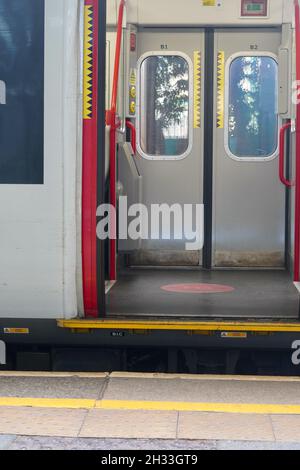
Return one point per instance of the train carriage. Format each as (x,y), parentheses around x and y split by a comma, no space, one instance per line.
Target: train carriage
(150,181)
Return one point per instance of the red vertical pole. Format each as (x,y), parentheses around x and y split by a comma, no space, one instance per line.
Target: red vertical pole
(89,159)
(297,202)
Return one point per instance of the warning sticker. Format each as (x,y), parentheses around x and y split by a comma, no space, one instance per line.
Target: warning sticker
(16,331)
(132,79)
(234,334)
(211,3)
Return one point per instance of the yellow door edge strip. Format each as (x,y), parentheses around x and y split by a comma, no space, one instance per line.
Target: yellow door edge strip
(221,89)
(88,63)
(197,89)
(177,325)
(128,405)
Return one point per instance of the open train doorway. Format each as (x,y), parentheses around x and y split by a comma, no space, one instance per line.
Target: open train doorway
(207,122)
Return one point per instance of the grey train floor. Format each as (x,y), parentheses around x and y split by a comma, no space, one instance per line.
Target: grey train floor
(257,294)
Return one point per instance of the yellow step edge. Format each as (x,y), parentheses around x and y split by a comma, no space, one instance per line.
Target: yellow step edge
(83,324)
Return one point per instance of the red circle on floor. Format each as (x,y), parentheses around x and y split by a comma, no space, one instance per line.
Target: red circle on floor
(198,288)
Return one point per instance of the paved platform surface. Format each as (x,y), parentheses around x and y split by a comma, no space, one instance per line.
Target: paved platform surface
(92,409)
(52,443)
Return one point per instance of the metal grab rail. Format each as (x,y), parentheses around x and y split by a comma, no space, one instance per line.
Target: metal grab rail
(282,177)
(111,121)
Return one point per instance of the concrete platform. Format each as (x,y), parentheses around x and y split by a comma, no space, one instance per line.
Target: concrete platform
(13,442)
(205,389)
(150,406)
(52,387)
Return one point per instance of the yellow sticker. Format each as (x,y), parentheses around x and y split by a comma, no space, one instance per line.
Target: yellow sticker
(209,3)
(133,92)
(132,79)
(197,89)
(16,331)
(221,89)
(132,107)
(234,334)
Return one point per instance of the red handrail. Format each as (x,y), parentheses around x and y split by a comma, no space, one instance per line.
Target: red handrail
(282,177)
(133,135)
(297,197)
(114,95)
(111,120)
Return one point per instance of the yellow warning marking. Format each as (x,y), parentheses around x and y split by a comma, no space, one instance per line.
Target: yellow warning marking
(179,325)
(209,3)
(199,407)
(129,405)
(221,89)
(197,89)
(16,331)
(234,334)
(88,63)
(132,79)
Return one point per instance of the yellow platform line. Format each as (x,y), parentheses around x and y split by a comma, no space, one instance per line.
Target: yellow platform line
(128,405)
(243,408)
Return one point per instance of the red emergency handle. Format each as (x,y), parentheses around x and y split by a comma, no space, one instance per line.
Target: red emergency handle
(132,129)
(282,177)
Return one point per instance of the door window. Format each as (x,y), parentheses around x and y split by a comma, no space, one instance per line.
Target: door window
(164,107)
(252,119)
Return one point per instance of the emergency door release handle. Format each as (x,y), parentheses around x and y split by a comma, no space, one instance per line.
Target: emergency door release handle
(132,129)
(282,177)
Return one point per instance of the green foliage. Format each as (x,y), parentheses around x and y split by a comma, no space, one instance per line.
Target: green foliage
(171,88)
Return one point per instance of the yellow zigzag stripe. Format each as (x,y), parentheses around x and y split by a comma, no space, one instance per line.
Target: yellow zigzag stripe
(197,89)
(221,89)
(88,63)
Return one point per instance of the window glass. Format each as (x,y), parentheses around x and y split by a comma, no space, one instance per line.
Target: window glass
(164,129)
(22,91)
(252,114)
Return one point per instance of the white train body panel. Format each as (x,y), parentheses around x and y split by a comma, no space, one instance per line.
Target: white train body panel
(38,247)
(196,13)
